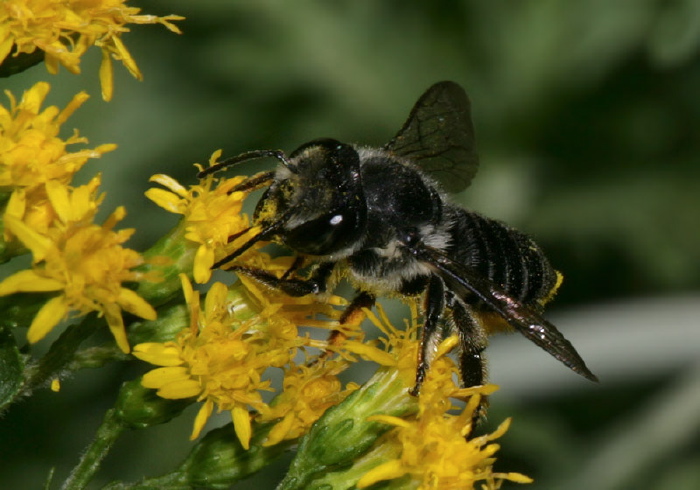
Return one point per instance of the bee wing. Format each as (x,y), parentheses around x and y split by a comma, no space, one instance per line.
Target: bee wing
(465,282)
(438,136)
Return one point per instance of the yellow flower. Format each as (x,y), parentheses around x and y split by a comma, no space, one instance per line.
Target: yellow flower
(64,30)
(223,357)
(211,215)
(31,153)
(435,453)
(85,263)
(308,391)
(398,348)
(220,359)
(433,447)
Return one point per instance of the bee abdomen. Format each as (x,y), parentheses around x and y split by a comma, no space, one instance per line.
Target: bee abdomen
(504,255)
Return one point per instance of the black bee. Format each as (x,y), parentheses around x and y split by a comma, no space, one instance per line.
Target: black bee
(382,218)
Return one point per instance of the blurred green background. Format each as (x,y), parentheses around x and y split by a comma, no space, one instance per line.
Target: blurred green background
(587,118)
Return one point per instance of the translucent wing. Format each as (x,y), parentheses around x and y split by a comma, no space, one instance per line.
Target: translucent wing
(438,136)
(465,283)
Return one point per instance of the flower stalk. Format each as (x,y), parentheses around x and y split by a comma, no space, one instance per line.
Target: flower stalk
(61,353)
(105,437)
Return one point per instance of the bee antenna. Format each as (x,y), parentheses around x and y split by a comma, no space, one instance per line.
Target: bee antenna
(249,155)
(267,232)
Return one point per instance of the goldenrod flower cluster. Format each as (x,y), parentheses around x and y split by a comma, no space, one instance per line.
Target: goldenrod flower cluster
(82,265)
(64,30)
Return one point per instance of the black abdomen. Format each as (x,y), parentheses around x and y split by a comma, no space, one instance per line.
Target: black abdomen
(502,254)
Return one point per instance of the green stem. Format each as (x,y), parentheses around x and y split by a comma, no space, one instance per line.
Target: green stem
(172,481)
(97,357)
(61,353)
(110,429)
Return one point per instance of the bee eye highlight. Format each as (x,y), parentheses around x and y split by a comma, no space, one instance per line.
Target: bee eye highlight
(336,220)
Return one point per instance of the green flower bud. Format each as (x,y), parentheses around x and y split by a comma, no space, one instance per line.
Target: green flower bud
(170,322)
(172,255)
(218,460)
(138,407)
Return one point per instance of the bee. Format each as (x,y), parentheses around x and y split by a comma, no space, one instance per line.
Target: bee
(382,218)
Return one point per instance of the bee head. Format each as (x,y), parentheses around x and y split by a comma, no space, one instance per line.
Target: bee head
(316,203)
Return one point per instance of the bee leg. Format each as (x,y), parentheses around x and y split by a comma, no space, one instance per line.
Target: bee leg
(298,261)
(337,337)
(472,342)
(291,286)
(431,333)
(362,300)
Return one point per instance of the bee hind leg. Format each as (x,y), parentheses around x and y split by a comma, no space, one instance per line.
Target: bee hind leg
(472,342)
(431,333)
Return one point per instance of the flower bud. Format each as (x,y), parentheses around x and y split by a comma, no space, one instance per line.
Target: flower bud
(138,407)
(172,255)
(218,460)
(169,323)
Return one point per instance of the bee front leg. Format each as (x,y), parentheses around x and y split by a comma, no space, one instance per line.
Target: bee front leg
(298,262)
(291,286)
(360,302)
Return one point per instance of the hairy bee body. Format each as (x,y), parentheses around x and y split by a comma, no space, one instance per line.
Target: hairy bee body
(403,202)
(505,256)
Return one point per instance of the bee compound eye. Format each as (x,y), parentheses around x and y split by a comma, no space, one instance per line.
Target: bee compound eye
(326,234)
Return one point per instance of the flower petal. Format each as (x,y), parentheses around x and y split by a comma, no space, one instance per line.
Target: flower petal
(385,471)
(60,200)
(241,424)
(187,388)
(159,377)
(113,315)
(166,200)
(36,242)
(203,260)
(106,74)
(170,183)
(158,354)
(28,281)
(187,289)
(48,317)
(514,477)
(201,418)
(133,303)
